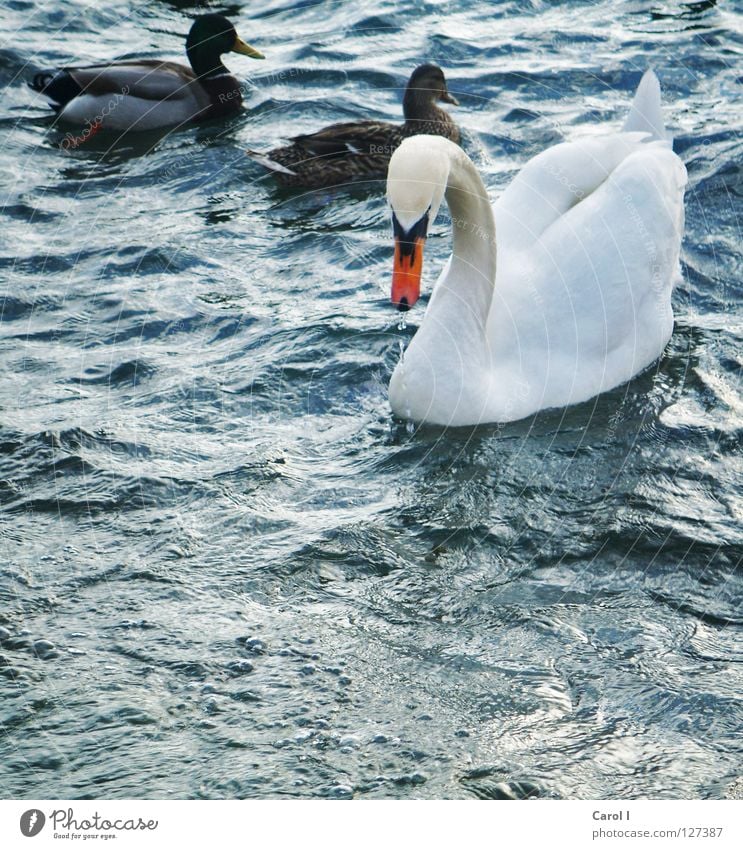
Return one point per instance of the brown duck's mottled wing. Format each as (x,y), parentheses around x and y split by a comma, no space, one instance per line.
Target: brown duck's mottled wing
(345,153)
(365,138)
(341,153)
(145,79)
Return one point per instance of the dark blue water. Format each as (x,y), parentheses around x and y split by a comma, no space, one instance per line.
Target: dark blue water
(226,571)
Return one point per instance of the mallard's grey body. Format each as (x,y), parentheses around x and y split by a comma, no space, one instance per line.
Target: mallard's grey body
(147,94)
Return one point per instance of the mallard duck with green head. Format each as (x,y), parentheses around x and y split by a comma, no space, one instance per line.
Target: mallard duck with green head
(147,94)
(361,150)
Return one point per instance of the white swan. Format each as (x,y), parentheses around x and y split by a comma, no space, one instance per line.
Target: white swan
(588,240)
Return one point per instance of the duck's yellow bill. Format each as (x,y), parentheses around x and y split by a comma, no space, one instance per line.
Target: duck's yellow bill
(406,274)
(243,47)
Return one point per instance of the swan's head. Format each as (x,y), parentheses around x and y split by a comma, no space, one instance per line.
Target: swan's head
(416,182)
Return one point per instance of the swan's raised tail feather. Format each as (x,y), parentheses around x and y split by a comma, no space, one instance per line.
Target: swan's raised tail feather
(645,114)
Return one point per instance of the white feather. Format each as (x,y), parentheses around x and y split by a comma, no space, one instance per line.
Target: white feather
(269,163)
(645,114)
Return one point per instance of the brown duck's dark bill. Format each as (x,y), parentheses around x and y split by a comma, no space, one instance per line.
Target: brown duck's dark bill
(447,97)
(243,47)
(406,274)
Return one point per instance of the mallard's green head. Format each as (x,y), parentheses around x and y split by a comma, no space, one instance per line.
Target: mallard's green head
(209,38)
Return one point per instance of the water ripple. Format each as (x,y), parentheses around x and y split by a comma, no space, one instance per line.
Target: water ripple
(226,570)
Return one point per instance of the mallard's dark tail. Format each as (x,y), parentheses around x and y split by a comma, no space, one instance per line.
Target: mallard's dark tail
(59,86)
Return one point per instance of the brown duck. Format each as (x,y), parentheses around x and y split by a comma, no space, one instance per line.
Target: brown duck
(350,152)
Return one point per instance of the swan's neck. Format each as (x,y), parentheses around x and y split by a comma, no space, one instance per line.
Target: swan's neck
(448,364)
(466,292)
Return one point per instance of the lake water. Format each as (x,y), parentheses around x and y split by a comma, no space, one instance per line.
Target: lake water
(225,569)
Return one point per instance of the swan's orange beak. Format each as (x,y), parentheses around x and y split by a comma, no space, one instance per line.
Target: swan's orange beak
(406,274)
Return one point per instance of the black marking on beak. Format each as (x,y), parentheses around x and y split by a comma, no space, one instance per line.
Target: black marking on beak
(403,305)
(407,238)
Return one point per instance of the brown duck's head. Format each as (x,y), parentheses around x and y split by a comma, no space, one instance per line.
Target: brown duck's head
(426,87)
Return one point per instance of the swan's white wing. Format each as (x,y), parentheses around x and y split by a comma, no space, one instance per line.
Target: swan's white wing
(562,176)
(555,181)
(588,242)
